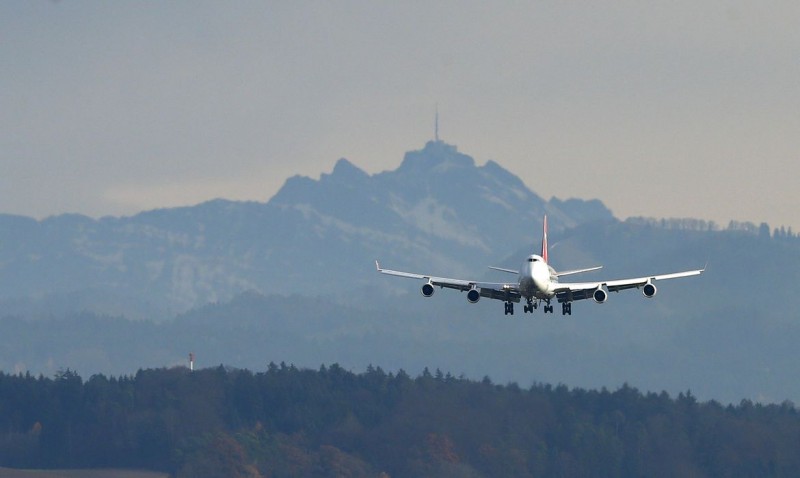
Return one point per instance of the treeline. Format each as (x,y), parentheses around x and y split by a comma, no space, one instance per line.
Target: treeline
(330,422)
(700,225)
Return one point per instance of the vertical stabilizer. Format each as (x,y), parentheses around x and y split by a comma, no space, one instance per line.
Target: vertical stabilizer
(544,239)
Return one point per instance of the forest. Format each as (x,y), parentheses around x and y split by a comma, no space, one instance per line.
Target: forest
(288,421)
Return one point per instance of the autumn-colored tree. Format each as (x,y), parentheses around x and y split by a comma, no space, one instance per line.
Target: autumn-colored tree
(221,455)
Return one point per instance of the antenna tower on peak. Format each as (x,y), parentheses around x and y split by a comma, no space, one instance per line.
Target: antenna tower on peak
(436,126)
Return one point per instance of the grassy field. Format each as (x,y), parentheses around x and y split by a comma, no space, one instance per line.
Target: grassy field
(13,473)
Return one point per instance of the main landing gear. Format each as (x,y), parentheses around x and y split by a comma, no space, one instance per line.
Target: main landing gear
(531,305)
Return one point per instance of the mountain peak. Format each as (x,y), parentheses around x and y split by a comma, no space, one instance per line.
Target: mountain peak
(346,170)
(301,188)
(436,156)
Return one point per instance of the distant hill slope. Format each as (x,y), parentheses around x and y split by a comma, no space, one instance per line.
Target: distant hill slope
(104,473)
(314,237)
(729,334)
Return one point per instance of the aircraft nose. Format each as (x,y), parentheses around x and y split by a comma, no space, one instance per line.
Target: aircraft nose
(541,276)
(540,284)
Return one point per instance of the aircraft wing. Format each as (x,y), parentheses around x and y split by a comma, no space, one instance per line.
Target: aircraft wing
(566,292)
(493,290)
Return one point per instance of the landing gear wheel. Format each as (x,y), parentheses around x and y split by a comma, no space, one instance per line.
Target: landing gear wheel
(566,308)
(509,308)
(529,307)
(548,309)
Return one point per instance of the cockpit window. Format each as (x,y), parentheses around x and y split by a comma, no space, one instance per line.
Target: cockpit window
(531,259)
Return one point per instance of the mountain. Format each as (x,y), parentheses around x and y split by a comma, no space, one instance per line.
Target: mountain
(293,279)
(438,210)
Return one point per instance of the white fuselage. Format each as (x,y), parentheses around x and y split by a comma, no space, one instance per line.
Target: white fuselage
(537,279)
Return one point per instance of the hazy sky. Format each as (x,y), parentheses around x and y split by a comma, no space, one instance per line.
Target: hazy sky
(672,109)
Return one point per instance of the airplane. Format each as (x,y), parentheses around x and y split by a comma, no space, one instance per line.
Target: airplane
(538,283)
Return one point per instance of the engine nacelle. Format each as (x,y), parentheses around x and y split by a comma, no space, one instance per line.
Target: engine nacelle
(473,296)
(600,295)
(427,290)
(649,290)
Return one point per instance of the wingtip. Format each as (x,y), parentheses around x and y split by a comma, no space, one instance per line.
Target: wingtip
(377,266)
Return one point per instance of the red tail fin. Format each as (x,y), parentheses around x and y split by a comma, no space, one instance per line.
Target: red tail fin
(544,239)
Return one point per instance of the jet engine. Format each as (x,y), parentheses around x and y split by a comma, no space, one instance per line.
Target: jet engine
(473,296)
(427,290)
(649,290)
(600,295)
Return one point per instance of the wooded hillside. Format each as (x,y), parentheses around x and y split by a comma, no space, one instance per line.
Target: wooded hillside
(330,422)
